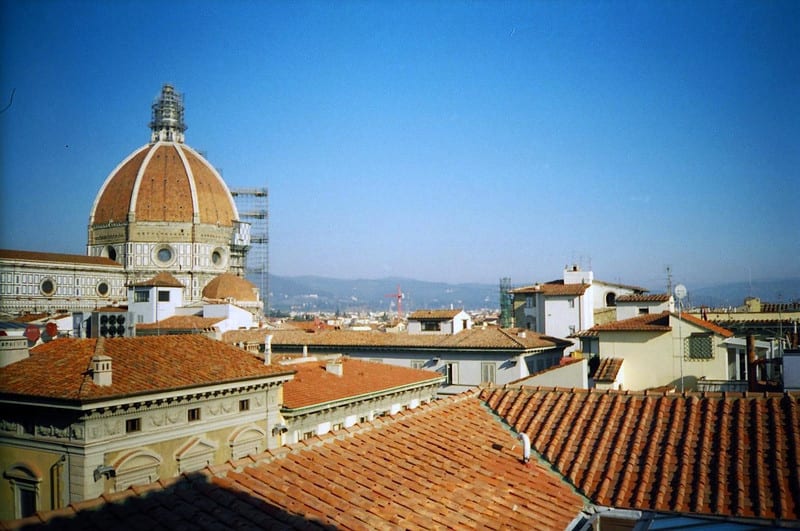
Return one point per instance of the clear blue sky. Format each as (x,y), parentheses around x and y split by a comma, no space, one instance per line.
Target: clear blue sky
(442,140)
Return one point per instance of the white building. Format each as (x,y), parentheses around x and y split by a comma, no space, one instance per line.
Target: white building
(561,308)
(447,322)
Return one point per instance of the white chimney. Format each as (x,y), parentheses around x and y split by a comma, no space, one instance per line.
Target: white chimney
(305,351)
(101,369)
(526,447)
(335,367)
(268,350)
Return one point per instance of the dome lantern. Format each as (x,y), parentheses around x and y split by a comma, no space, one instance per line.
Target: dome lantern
(167,123)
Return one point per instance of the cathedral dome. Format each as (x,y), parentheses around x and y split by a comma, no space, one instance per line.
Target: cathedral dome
(166,180)
(229,286)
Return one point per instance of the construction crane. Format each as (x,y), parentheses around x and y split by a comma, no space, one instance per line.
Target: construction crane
(399,297)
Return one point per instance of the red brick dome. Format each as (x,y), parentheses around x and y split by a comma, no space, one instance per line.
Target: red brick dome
(230,286)
(164,181)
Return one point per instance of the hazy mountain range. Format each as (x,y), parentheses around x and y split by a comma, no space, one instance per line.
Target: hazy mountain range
(313,293)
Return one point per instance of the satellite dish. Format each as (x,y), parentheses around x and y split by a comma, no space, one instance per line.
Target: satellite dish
(680,291)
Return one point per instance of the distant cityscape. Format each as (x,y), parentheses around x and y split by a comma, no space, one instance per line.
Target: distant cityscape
(322,294)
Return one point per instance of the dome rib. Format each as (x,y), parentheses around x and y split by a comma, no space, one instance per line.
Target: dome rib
(192,183)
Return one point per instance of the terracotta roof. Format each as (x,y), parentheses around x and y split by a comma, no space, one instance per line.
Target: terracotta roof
(651,322)
(554,288)
(708,325)
(165,181)
(449,464)
(35,256)
(726,454)
(228,285)
(313,385)
(140,365)
(161,280)
(608,369)
(644,297)
(475,338)
(430,315)
(181,322)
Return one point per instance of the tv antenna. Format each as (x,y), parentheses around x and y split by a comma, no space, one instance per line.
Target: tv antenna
(680,294)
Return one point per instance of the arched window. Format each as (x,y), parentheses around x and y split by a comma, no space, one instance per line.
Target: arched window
(25,482)
(611,299)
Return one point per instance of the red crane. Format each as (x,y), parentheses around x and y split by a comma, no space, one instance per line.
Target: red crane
(399,296)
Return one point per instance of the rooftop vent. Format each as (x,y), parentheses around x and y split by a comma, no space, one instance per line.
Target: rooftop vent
(335,367)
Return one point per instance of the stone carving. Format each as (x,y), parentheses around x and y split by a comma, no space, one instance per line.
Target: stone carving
(6,425)
(157,419)
(112,427)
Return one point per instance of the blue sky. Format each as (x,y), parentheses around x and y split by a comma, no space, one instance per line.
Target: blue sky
(442,140)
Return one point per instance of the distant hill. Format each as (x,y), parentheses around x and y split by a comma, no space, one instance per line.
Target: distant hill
(734,294)
(314,294)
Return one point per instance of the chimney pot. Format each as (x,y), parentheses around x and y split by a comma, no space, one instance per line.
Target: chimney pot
(101,370)
(335,367)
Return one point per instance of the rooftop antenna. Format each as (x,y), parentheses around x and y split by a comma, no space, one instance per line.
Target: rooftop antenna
(680,294)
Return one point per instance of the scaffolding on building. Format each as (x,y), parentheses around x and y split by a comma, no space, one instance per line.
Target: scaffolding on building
(253,207)
(506,303)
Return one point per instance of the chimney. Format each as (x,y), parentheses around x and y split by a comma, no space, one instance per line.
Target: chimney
(268,350)
(305,351)
(526,447)
(101,369)
(335,367)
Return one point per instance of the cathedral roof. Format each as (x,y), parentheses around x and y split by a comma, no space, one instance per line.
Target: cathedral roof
(166,180)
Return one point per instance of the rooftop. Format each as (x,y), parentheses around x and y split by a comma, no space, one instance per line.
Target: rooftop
(644,297)
(729,454)
(35,256)
(182,322)
(313,384)
(161,280)
(488,338)
(430,315)
(449,464)
(656,322)
(141,365)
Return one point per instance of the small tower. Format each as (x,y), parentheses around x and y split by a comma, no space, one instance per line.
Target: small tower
(101,369)
(167,123)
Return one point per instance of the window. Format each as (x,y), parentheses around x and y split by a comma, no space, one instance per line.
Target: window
(611,299)
(699,347)
(244,405)
(644,311)
(133,425)
(488,371)
(102,289)
(141,295)
(194,414)
(307,435)
(430,326)
(163,296)
(48,287)
(216,257)
(164,254)
(572,303)
(25,484)
(530,301)
(451,373)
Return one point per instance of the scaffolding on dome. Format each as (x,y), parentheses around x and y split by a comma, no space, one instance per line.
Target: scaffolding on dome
(253,207)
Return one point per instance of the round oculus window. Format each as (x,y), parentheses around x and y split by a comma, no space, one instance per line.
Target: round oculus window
(216,257)
(164,254)
(48,287)
(102,289)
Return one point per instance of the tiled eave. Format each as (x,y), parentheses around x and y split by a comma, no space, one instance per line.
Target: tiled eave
(144,397)
(348,400)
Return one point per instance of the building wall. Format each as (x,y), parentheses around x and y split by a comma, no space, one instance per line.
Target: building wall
(38,437)
(76,287)
(653,359)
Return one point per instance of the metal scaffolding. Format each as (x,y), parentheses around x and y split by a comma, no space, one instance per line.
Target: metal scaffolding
(253,207)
